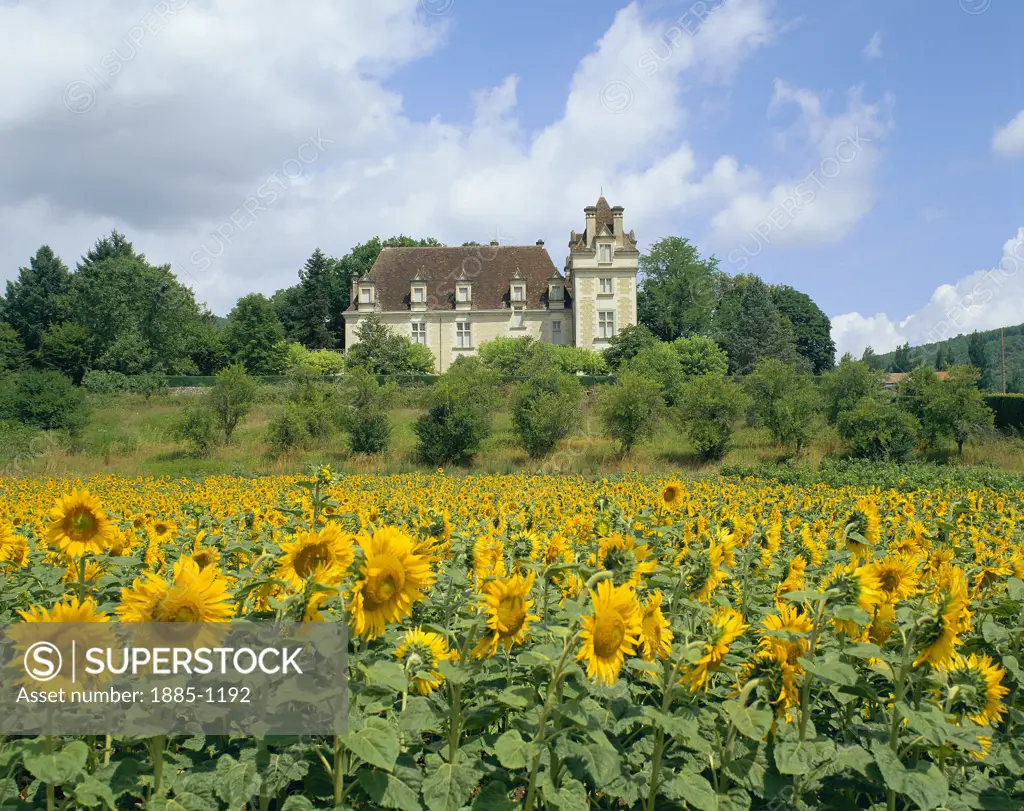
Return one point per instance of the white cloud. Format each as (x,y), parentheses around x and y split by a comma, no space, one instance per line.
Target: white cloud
(985,299)
(823,203)
(204,146)
(930,214)
(873,50)
(1009,140)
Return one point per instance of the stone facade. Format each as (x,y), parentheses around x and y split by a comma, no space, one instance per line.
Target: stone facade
(455,299)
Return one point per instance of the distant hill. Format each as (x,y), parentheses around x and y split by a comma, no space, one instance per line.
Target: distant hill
(955,351)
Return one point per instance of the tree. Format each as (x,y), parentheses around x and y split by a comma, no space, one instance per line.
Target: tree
(711,404)
(843,388)
(627,343)
(121,299)
(231,398)
(700,356)
(47,400)
(914,393)
(459,413)
(253,336)
(507,356)
(660,362)
(812,328)
(750,327)
(316,296)
(902,360)
(678,290)
(546,409)
(381,352)
(943,360)
(630,408)
(38,298)
(68,349)
(784,400)
(957,408)
(197,426)
(365,416)
(872,360)
(876,429)
(12,351)
(978,356)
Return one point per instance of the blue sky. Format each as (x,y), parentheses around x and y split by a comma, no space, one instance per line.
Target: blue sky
(469,120)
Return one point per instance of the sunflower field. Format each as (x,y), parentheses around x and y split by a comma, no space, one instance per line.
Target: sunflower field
(536,642)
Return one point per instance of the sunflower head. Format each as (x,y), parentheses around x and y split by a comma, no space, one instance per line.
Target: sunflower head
(976,685)
(420,652)
(611,632)
(78,525)
(655,630)
(672,495)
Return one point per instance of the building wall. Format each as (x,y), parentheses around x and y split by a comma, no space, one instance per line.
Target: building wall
(588,301)
(486,326)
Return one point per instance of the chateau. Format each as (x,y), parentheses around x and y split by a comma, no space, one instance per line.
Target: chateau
(455,299)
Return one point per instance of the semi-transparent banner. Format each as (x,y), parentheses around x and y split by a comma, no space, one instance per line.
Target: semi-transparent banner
(121,678)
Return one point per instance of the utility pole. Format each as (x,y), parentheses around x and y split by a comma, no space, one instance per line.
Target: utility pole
(1002,349)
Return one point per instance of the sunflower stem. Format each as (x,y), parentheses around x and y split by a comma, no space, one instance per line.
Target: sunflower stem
(659,732)
(805,695)
(899,689)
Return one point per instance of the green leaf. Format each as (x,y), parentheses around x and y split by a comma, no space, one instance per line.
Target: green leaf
(863,650)
(237,781)
(448,788)
(91,792)
(753,721)
(297,803)
(55,768)
(854,757)
(419,716)
(181,801)
(694,790)
(389,791)
(454,673)
(387,674)
(493,797)
(512,751)
(800,757)
(926,785)
(376,744)
(1015,589)
(852,613)
(830,671)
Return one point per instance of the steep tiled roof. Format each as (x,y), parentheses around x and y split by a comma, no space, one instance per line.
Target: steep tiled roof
(604,216)
(489,268)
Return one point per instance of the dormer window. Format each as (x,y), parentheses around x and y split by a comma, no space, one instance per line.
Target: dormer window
(519,293)
(556,292)
(463,294)
(366,294)
(419,295)
(604,254)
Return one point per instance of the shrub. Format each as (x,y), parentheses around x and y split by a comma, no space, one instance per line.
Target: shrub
(784,400)
(231,398)
(580,360)
(661,363)
(876,429)
(198,427)
(317,402)
(700,356)
(546,409)
(507,356)
(847,385)
(630,408)
(320,362)
(627,343)
(381,352)
(458,414)
(100,382)
(47,400)
(287,430)
(12,350)
(364,416)
(711,404)
(1008,410)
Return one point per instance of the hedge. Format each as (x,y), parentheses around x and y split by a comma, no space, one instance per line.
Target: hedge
(1008,408)
(206,381)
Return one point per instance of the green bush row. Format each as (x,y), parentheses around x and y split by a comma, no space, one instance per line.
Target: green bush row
(1008,409)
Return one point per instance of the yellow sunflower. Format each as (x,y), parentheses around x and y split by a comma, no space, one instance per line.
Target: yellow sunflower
(628,562)
(161,530)
(862,527)
(779,680)
(610,632)
(324,555)
(851,585)
(193,595)
(726,627)
(13,547)
(940,629)
(672,495)
(794,580)
(785,634)
(979,685)
(68,610)
(655,631)
(488,559)
(78,525)
(507,605)
(393,577)
(897,578)
(419,652)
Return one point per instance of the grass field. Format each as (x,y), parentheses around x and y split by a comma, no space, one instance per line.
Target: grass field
(129,435)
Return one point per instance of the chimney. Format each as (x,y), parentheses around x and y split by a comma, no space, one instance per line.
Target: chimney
(620,234)
(591,212)
(540,243)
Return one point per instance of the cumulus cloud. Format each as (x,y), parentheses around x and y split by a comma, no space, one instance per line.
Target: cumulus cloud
(985,299)
(873,50)
(829,198)
(230,140)
(1009,140)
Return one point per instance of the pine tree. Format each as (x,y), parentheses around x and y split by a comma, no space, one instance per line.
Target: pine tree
(38,299)
(978,356)
(315,295)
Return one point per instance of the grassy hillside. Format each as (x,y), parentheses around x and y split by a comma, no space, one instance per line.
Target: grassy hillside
(958,347)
